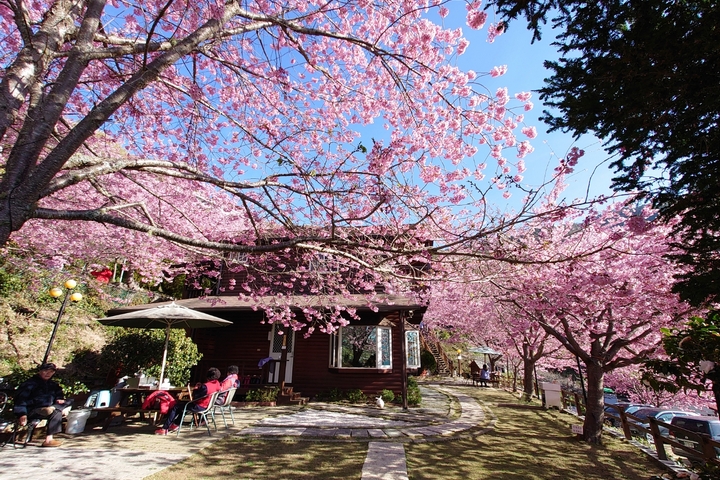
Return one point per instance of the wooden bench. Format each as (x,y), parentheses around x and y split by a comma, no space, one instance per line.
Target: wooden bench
(117,415)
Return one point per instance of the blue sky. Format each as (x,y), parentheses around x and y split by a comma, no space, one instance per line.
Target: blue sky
(527,73)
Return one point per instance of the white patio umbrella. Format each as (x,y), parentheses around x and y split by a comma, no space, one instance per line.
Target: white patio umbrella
(165,316)
(483,350)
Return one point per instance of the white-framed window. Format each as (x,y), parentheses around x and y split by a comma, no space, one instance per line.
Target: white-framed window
(412,348)
(361,346)
(323,263)
(237,258)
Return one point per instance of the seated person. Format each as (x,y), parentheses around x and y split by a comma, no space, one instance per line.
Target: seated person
(41,398)
(230,381)
(484,376)
(200,393)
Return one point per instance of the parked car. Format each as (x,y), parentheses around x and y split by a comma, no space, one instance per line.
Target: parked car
(626,407)
(698,425)
(661,414)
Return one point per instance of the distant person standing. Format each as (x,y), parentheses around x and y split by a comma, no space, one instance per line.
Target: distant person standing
(484,375)
(39,398)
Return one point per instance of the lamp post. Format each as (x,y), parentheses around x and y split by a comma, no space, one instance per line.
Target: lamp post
(56,292)
(459,358)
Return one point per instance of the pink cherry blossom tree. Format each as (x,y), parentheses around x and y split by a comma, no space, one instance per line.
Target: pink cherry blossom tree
(470,304)
(218,125)
(528,339)
(607,305)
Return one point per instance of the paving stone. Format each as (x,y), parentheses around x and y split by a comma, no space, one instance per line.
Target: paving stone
(385,461)
(319,432)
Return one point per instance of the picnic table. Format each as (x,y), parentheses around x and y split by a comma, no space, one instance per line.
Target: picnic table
(128,403)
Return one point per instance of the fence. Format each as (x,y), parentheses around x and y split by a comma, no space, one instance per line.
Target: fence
(652,430)
(634,426)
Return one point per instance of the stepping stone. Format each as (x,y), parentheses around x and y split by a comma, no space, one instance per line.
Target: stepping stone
(385,461)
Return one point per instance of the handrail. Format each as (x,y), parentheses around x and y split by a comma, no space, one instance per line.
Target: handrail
(628,420)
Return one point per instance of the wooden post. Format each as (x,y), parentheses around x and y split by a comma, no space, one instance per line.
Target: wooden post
(403,361)
(709,453)
(625,424)
(283,361)
(657,438)
(578,405)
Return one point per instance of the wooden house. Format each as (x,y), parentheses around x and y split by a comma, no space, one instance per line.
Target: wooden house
(374,351)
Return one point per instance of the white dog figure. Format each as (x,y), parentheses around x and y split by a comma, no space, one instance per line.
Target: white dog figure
(379,402)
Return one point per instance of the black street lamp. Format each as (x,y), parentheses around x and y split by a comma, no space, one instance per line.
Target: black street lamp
(56,292)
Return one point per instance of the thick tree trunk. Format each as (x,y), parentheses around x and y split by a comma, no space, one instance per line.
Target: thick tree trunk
(4,228)
(14,212)
(528,379)
(595,408)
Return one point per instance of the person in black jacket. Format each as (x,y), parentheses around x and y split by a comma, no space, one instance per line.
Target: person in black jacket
(40,397)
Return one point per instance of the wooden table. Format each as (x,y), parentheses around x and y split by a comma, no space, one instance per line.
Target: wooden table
(134,397)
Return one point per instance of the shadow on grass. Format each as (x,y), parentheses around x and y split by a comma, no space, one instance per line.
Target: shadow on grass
(242,458)
(527,444)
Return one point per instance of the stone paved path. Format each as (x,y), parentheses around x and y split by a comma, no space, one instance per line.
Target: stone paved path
(132,452)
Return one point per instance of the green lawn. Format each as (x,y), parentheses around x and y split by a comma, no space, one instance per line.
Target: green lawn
(525,444)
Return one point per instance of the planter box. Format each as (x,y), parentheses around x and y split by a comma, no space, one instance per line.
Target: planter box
(252,404)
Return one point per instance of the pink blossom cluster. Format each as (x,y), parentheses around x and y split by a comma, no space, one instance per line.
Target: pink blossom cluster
(259,129)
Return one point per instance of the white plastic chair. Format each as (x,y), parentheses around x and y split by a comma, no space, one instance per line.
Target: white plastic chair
(225,406)
(198,417)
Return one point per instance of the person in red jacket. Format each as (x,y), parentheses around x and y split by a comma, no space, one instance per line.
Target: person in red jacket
(201,393)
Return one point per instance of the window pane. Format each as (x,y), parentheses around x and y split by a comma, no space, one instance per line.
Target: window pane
(385,348)
(334,346)
(278,339)
(413,348)
(359,346)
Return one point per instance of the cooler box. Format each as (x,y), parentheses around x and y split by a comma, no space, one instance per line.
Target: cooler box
(98,398)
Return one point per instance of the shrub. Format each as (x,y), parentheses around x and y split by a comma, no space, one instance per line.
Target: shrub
(10,283)
(355,396)
(266,394)
(334,395)
(133,350)
(387,395)
(414,395)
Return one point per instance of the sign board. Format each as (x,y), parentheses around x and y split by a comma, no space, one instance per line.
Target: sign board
(577,429)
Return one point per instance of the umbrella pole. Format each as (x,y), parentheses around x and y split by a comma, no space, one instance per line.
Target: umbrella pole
(162,369)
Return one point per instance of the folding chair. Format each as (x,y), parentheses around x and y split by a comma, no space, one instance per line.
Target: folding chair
(198,417)
(17,430)
(225,406)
